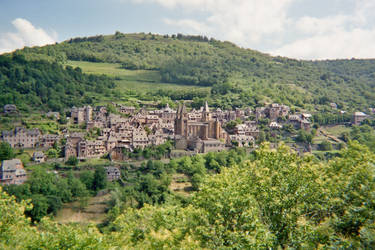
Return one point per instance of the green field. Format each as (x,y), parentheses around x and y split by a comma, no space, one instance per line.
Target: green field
(336,130)
(141,81)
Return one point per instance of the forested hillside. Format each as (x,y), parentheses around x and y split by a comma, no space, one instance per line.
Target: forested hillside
(40,84)
(196,60)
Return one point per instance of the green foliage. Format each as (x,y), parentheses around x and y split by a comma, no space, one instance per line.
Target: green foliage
(243,76)
(325,146)
(6,151)
(275,200)
(151,152)
(363,134)
(47,192)
(72,161)
(52,153)
(326,118)
(87,178)
(304,137)
(41,84)
(100,179)
(15,228)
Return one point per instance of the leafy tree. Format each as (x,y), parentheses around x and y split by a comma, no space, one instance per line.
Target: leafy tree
(40,207)
(304,137)
(6,151)
(72,160)
(87,178)
(325,146)
(52,153)
(100,179)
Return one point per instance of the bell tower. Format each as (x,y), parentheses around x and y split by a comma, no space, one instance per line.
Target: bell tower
(181,121)
(206,116)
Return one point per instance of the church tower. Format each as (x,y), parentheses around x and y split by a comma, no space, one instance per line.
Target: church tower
(206,116)
(180,124)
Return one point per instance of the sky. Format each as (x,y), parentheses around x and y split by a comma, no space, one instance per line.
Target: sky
(301,29)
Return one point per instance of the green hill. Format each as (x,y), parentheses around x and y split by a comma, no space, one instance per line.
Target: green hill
(45,85)
(232,76)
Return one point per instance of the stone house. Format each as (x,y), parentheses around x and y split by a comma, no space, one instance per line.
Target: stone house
(71,146)
(55,115)
(22,138)
(113,173)
(333,105)
(247,128)
(39,157)
(359,117)
(91,149)
(127,110)
(10,109)
(81,115)
(272,111)
(275,125)
(300,121)
(243,140)
(47,141)
(12,172)
(140,139)
(305,124)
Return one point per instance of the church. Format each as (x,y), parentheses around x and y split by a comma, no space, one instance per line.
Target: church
(200,135)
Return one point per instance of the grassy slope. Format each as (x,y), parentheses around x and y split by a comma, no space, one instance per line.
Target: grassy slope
(138,80)
(131,85)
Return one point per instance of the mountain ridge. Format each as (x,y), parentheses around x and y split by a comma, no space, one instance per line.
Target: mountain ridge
(232,72)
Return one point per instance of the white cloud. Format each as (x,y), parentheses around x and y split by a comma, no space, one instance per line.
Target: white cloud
(313,25)
(337,36)
(357,43)
(26,35)
(244,22)
(267,24)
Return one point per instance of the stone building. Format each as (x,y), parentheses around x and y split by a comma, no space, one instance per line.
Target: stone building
(91,149)
(54,115)
(71,146)
(272,111)
(47,141)
(113,173)
(203,135)
(139,138)
(12,172)
(127,110)
(81,115)
(22,138)
(39,157)
(359,117)
(300,121)
(10,109)
(243,140)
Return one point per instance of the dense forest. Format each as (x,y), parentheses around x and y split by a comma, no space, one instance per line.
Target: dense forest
(46,85)
(268,199)
(196,60)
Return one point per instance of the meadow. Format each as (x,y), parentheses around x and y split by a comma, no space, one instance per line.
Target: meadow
(140,81)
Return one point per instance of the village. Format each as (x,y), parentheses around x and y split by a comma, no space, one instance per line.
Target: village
(114,134)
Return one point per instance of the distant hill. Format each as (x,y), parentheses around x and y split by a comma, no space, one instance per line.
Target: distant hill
(236,76)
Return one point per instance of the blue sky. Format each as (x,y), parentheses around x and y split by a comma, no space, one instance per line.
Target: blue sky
(306,29)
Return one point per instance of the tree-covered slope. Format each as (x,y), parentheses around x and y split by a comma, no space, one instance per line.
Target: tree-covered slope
(196,60)
(46,85)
